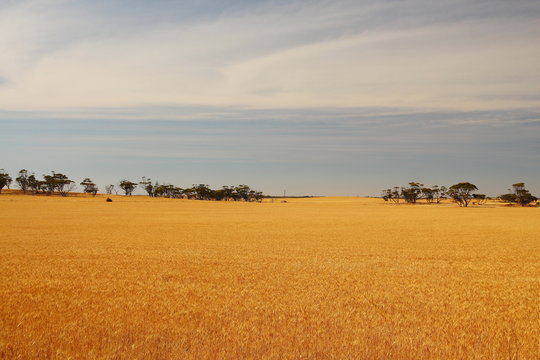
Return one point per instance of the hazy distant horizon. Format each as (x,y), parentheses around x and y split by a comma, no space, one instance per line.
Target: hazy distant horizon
(340,98)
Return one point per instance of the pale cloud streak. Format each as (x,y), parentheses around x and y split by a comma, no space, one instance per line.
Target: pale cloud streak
(474,55)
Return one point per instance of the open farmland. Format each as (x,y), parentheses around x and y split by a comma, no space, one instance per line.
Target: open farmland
(327,278)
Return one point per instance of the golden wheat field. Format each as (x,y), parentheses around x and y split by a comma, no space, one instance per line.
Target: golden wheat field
(323,278)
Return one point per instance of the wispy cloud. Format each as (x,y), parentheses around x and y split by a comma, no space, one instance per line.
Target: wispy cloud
(455,55)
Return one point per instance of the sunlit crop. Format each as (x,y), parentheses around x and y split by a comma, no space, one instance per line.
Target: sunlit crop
(327,278)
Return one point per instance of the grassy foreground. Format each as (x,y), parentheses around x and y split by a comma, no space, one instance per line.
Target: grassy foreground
(328,278)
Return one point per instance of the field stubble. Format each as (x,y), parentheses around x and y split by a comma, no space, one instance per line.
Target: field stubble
(329,278)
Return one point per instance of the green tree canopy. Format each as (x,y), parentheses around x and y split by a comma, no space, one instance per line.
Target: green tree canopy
(58,182)
(89,186)
(127,186)
(462,193)
(519,195)
(22,180)
(5,179)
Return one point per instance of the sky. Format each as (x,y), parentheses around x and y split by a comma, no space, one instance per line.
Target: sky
(314,97)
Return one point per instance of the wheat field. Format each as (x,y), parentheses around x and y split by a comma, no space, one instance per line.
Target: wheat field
(322,278)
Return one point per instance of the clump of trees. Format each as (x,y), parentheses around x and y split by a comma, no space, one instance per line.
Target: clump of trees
(414,192)
(161,190)
(58,183)
(518,195)
(54,183)
(201,192)
(5,179)
(479,199)
(462,193)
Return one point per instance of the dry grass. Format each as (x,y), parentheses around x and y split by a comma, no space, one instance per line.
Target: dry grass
(331,278)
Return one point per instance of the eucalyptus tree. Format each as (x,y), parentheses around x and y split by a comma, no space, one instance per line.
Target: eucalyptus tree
(127,186)
(412,193)
(439,193)
(22,180)
(58,182)
(89,187)
(227,193)
(189,193)
(257,196)
(243,192)
(479,199)
(34,184)
(146,184)
(167,190)
(5,179)
(462,193)
(202,191)
(518,195)
(109,189)
(396,194)
(428,194)
(393,195)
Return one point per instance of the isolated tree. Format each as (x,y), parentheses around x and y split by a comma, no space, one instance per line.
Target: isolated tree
(22,180)
(519,195)
(5,179)
(89,187)
(146,184)
(109,189)
(462,193)
(127,186)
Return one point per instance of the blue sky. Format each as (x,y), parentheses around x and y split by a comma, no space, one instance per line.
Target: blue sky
(316,97)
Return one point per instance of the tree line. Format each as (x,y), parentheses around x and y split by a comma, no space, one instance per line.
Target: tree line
(463,193)
(61,184)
